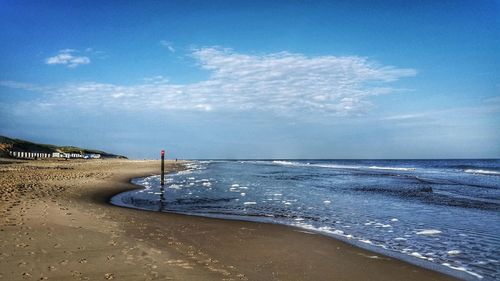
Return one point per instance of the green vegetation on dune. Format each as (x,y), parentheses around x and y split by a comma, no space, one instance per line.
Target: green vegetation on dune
(7,144)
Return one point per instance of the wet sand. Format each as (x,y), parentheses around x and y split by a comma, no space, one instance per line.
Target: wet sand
(56,224)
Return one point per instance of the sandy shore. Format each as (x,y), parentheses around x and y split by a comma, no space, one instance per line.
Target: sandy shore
(56,224)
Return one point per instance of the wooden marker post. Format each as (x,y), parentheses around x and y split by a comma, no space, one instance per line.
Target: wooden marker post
(162,182)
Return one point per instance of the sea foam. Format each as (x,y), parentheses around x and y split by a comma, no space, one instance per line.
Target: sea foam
(429,232)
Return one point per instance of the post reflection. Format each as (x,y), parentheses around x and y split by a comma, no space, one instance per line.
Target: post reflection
(163,203)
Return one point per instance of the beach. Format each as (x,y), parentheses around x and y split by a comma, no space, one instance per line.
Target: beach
(57,224)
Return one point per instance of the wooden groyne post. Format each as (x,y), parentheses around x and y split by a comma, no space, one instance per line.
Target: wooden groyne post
(162,181)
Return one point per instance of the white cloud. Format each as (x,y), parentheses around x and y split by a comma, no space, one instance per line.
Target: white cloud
(282,83)
(67,58)
(168,45)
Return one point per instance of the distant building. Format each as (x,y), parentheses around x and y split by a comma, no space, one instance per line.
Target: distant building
(92,156)
(28,155)
(66,155)
(38,155)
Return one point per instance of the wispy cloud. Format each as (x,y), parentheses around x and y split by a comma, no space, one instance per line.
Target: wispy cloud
(282,83)
(67,57)
(445,117)
(168,45)
(18,85)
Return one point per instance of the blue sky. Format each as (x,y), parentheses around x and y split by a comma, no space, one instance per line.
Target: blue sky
(253,79)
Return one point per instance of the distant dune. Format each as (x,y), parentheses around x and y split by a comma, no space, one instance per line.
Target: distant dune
(8,144)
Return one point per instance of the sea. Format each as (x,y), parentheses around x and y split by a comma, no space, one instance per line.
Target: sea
(439,214)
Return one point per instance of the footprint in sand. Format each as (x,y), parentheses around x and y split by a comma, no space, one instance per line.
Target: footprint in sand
(57,245)
(63,262)
(82,261)
(52,268)
(109,276)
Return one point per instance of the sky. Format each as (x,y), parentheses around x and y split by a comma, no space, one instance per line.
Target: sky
(254,79)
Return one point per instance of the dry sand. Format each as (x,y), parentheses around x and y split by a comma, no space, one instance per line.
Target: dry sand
(56,224)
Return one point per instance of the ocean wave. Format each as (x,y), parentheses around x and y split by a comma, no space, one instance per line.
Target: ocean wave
(483,172)
(299,164)
(392,168)
(461,268)
(340,166)
(288,163)
(405,191)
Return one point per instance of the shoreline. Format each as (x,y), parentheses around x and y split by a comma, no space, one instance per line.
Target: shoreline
(91,238)
(455,273)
